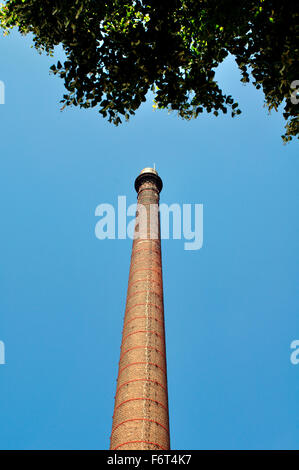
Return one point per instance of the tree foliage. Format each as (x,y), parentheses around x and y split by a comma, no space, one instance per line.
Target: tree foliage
(117,50)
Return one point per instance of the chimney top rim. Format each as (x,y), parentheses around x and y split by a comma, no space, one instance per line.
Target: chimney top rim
(149,170)
(151,173)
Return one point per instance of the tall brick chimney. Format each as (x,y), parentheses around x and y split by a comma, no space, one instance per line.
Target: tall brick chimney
(140,419)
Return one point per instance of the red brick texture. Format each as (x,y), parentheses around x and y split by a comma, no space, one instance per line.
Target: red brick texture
(140,419)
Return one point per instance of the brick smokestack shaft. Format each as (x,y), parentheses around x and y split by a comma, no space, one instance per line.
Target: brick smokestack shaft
(140,419)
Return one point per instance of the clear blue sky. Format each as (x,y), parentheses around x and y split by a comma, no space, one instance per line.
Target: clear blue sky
(231,308)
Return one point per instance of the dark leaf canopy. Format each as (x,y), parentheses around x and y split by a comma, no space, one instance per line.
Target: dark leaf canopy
(118,50)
